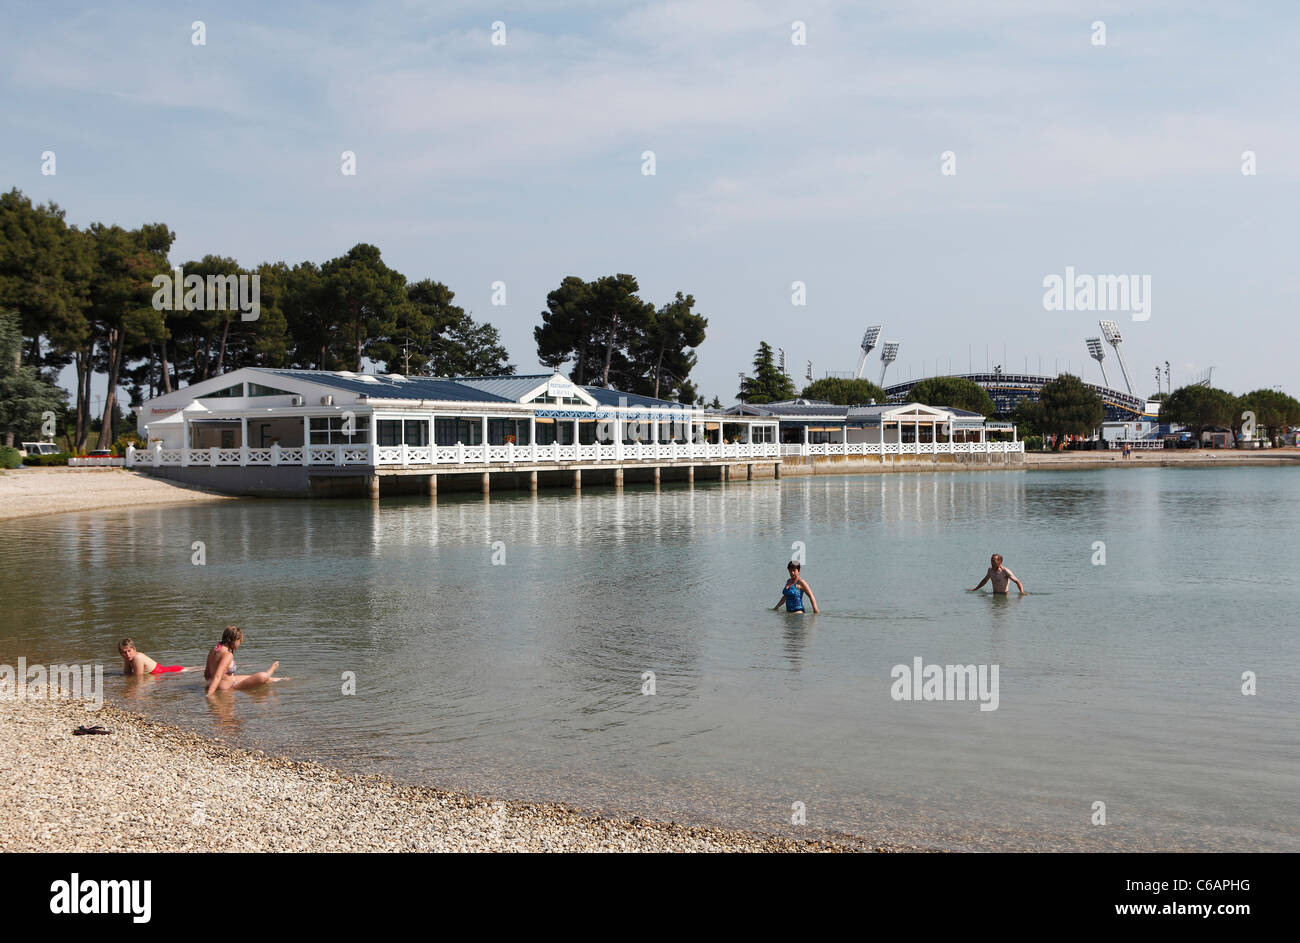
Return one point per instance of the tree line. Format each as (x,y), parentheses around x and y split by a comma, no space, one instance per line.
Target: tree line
(1066,406)
(90,298)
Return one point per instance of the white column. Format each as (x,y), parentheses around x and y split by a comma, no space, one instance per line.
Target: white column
(306,438)
(485,442)
(532,438)
(618,438)
(575,438)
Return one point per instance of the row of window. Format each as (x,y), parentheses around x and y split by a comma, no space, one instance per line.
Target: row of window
(254,389)
(336,430)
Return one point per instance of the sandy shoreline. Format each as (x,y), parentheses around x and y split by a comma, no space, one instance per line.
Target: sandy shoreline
(30,492)
(40,491)
(154,787)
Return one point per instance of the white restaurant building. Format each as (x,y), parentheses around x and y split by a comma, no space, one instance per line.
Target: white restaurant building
(271,431)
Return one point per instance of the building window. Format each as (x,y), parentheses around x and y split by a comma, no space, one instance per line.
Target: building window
(236,390)
(328,430)
(416,432)
(256,389)
(388,432)
(448,432)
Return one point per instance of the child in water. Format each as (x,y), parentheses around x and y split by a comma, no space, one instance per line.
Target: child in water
(1001,577)
(220,669)
(136,662)
(793,593)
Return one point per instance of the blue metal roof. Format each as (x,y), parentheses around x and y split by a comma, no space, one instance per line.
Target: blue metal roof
(382,387)
(608,397)
(506,389)
(513,388)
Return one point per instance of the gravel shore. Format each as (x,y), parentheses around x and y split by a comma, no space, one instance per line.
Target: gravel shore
(153,787)
(26,492)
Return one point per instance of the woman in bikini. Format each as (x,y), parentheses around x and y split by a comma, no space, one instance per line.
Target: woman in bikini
(220,669)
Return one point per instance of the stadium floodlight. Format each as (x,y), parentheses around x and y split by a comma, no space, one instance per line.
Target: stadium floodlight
(888,354)
(1110,330)
(868,345)
(1098,353)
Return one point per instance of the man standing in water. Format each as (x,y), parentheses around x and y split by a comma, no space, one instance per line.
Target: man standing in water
(1001,577)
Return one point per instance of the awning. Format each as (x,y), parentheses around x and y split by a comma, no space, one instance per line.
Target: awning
(710,426)
(543,419)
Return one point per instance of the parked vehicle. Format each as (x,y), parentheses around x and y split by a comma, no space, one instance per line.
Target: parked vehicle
(39,448)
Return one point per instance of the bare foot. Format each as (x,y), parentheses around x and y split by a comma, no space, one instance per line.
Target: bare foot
(274,665)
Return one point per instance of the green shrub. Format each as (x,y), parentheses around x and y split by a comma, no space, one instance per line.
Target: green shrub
(1033,443)
(59,458)
(125,439)
(10,457)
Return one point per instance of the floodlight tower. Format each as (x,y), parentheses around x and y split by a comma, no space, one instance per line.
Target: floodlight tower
(1098,353)
(1110,330)
(868,345)
(888,354)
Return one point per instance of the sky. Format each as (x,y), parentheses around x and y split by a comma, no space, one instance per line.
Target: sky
(775,162)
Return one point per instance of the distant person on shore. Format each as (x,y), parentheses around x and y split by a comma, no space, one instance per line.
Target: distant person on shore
(793,593)
(136,662)
(1002,577)
(220,669)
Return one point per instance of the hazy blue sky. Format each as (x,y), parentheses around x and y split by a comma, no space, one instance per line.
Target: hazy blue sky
(775,162)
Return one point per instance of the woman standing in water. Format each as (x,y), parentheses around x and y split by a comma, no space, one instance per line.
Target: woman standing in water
(793,593)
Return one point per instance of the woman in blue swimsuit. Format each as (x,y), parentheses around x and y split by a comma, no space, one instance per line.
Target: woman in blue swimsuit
(794,591)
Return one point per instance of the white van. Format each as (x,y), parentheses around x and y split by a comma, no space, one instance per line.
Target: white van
(39,448)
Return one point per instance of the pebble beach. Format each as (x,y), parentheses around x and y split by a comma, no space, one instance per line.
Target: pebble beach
(156,788)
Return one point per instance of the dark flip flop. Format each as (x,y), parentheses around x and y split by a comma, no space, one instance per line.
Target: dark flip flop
(83,729)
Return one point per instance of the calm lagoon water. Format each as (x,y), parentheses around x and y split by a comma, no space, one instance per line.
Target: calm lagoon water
(1118,683)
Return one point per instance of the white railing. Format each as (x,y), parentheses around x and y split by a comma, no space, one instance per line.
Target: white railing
(1137,443)
(901,448)
(96,461)
(411,456)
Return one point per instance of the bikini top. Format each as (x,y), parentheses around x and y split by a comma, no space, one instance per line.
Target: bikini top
(231,669)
